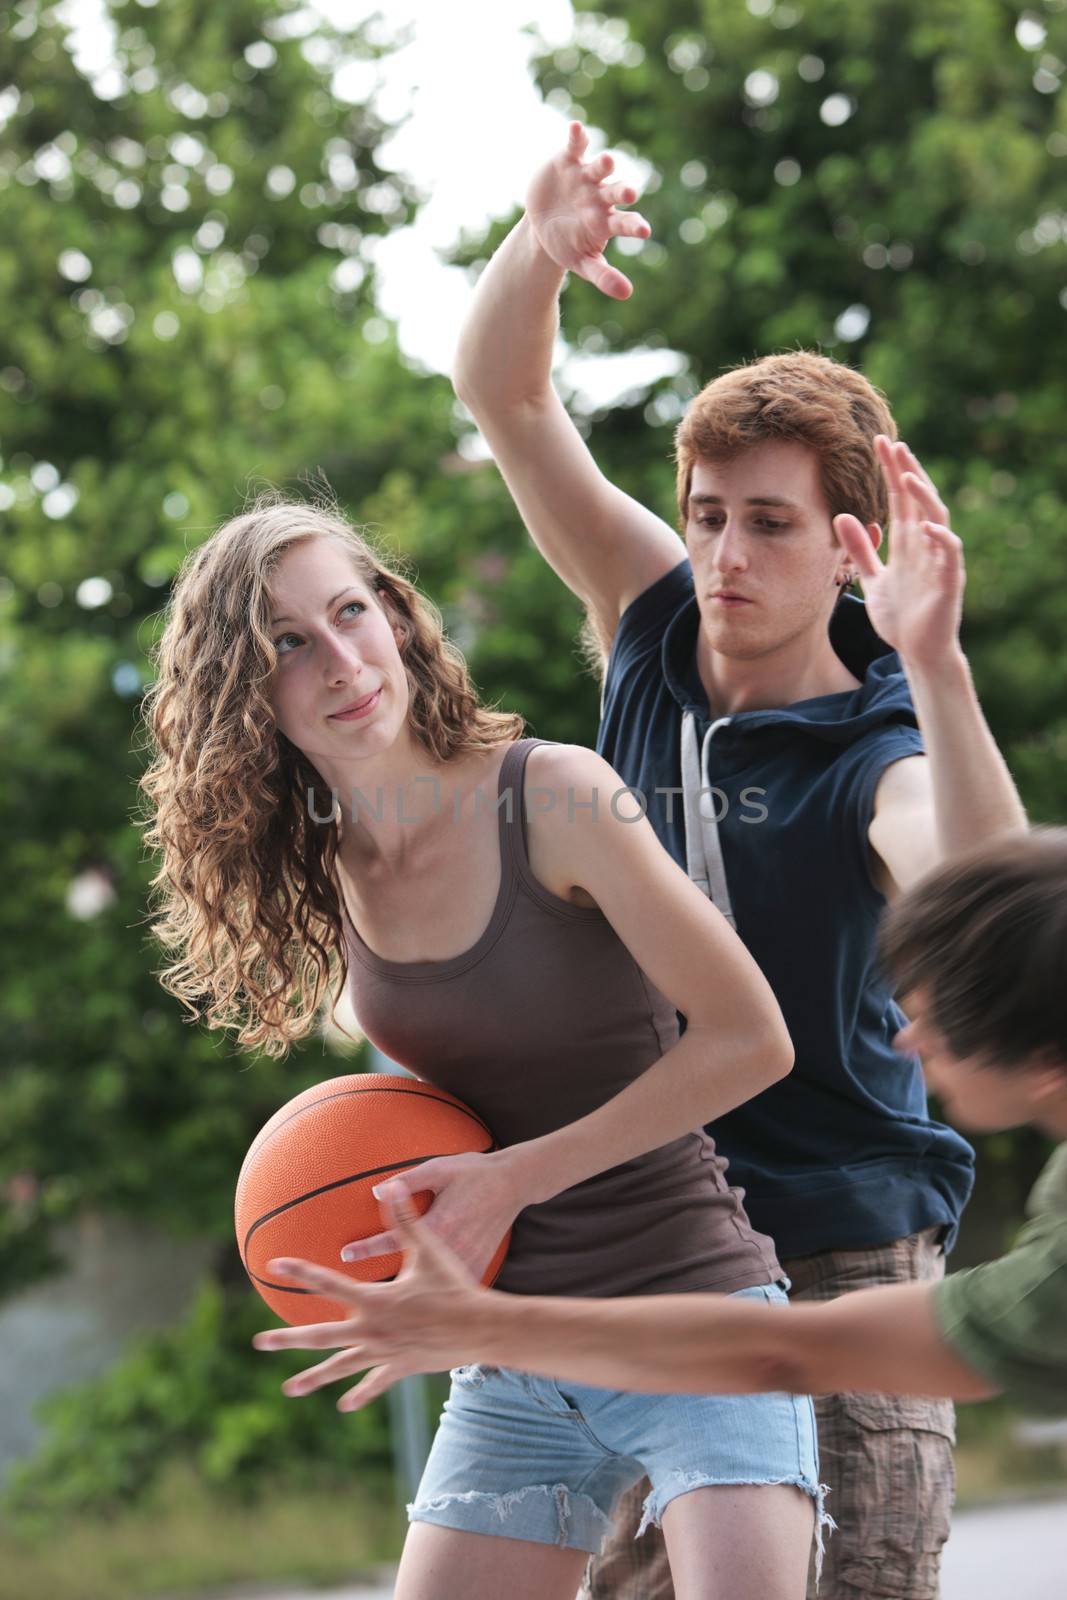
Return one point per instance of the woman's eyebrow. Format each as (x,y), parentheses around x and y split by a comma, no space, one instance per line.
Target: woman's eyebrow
(329,603)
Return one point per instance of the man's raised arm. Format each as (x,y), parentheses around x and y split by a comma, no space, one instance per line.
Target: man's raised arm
(605,546)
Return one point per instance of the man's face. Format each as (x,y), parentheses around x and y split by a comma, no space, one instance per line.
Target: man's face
(764,555)
(981,1098)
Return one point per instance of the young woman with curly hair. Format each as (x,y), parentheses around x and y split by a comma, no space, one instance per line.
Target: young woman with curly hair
(333,806)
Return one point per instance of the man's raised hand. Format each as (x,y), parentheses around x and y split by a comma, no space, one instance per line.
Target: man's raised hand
(420,1322)
(915,598)
(572,209)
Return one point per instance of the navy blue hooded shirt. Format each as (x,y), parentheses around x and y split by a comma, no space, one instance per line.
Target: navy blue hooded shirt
(842,1153)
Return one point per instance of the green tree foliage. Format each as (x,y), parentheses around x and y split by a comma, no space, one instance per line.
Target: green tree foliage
(883,182)
(187,259)
(197,1393)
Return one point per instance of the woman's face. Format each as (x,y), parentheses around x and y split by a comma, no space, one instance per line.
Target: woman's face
(339,690)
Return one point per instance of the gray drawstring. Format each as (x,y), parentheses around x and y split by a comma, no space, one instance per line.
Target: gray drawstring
(703,847)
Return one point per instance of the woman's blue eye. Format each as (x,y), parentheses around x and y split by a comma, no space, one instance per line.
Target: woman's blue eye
(285,649)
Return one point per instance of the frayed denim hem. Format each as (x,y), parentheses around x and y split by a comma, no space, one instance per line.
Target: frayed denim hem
(682,1482)
(546,1513)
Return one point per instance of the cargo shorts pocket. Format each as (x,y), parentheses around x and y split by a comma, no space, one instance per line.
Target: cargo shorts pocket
(889,1458)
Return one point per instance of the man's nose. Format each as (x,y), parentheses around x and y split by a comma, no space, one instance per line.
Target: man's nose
(730,553)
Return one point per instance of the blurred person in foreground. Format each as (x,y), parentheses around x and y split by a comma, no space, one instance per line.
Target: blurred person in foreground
(739,668)
(978,951)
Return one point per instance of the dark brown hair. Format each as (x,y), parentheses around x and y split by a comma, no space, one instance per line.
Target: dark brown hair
(985,939)
(798,397)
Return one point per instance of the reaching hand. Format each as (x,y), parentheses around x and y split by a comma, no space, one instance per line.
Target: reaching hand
(427,1319)
(571,208)
(476,1198)
(914,599)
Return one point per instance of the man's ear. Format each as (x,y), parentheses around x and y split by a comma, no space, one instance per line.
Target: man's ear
(1048,1079)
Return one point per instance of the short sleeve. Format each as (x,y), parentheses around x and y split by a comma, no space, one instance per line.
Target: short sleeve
(1008,1321)
(642,623)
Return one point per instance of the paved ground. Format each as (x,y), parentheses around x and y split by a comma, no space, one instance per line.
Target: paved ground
(1017,1551)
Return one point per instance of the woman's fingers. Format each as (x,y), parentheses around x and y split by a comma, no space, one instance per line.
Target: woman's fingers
(379,1244)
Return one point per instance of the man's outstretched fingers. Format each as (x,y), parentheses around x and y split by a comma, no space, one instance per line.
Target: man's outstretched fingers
(577,140)
(608,279)
(340,1365)
(857,542)
(335,1284)
(309,1336)
(369,1388)
(630,224)
(923,490)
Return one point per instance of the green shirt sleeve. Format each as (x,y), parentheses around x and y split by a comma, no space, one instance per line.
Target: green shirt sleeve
(1008,1319)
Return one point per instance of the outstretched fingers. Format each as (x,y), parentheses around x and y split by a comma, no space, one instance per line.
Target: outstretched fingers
(857,542)
(341,1365)
(628,224)
(931,507)
(376,1382)
(335,1285)
(608,279)
(577,141)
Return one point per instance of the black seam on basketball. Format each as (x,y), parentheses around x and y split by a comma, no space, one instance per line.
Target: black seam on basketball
(340,1183)
(284,1288)
(376,1089)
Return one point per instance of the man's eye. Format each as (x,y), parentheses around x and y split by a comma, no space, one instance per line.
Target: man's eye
(771,525)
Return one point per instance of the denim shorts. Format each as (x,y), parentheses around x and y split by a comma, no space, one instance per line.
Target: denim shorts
(528,1458)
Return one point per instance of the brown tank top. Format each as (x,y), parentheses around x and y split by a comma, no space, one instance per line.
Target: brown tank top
(542,1020)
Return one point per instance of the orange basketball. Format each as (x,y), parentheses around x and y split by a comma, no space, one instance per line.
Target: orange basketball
(304,1187)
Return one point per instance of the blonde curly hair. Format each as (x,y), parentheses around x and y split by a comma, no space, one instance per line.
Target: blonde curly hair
(246,897)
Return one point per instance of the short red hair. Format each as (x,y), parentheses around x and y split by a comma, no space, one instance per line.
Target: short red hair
(802,398)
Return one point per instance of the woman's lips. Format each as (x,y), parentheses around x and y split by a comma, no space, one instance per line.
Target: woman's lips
(362,708)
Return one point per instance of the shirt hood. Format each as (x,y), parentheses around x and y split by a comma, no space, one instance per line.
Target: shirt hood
(882,697)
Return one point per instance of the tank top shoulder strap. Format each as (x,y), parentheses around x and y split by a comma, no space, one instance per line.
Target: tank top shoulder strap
(511,812)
